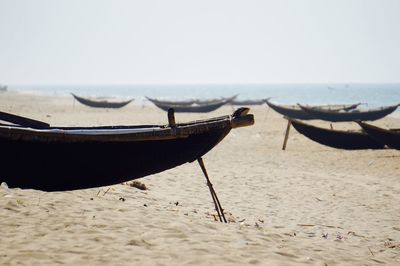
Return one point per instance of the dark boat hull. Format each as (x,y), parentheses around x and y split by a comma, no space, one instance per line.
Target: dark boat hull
(293,112)
(100,104)
(58,159)
(337,139)
(348,116)
(296,112)
(391,138)
(195,106)
(172,103)
(203,108)
(248,102)
(56,166)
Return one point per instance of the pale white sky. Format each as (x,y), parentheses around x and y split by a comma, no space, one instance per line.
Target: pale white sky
(205,41)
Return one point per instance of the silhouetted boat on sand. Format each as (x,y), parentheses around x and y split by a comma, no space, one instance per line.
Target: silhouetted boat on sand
(296,112)
(196,107)
(39,156)
(349,115)
(100,103)
(389,137)
(340,139)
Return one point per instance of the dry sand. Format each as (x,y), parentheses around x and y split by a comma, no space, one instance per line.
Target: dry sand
(309,204)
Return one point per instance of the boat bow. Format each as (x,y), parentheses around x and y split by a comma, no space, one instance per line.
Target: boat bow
(242,118)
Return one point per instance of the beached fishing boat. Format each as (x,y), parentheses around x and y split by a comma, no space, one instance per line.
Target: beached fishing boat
(195,107)
(248,102)
(188,102)
(215,100)
(100,103)
(389,137)
(340,139)
(38,156)
(172,103)
(349,115)
(291,111)
(295,112)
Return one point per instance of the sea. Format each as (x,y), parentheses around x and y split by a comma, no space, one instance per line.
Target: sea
(371,95)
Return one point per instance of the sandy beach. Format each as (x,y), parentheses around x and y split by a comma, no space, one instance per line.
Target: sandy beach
(307,205)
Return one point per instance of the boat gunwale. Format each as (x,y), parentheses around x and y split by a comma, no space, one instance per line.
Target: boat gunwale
(160,132)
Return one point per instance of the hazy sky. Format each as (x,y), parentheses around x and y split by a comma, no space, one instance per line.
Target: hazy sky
(205,41)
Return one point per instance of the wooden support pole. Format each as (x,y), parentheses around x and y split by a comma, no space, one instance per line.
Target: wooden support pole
(287,134)
(171,117)
(214,196)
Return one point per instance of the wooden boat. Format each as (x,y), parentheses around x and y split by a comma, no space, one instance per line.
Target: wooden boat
(215,100)
(291,111)
(334,107)
(352,115)
(349,140)
(188,102)
(48,158)
(100,103)
(196,107)
(389,137)
(171,103)
(248,102)
(295,112)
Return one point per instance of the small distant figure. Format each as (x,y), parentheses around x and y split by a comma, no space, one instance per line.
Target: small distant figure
(3,87)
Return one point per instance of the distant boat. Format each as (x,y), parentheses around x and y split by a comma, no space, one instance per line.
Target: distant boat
(339,139)
(390,137)
(38,156)
(196,107)
(215,100)
(291,111)
(172,103)
(3,88)
(347,116)
(100,103)
(295,112)
(249,102)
